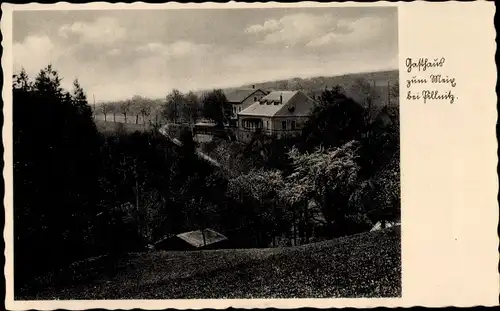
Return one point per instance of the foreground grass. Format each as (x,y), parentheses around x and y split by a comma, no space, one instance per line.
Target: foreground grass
(363,265)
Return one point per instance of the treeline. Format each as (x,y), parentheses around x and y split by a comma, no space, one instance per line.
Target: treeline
(137,110)
(188,108)
(176,108)
(79,193)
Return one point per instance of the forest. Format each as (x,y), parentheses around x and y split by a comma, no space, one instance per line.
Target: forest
(80,192)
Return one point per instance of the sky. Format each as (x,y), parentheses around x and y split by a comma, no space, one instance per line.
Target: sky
(118,54)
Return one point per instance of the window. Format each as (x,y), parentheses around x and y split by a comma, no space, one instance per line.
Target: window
(255,99)
(283,124)
(267,124)
(293,125)
(239,109)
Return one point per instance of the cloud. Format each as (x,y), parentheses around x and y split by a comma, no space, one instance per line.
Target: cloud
(104,30)
(269,25)
(360,31)
(176,49)
(115,58)
(292,29)
(23,53)
(114,52)
(314,30)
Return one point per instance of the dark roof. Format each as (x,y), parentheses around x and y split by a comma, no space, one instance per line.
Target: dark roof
(195,238)
(239,95)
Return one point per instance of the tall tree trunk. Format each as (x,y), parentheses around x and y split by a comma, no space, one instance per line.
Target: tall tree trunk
(114,117)
(326,214)
(136,119)
(137,198)
(175,113)
(125,117)
(306,222)
(105,118)
(294,221)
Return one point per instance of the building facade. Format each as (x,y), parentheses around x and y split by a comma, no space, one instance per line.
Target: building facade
(280,113)
(242,98)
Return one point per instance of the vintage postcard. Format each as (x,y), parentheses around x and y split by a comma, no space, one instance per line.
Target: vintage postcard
(250,155)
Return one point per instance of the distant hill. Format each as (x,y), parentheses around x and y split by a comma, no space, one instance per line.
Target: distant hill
(315,85)
(379,78)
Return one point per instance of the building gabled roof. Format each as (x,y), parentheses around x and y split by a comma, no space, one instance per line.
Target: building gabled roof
(277,104)
(241,94)
(195,238)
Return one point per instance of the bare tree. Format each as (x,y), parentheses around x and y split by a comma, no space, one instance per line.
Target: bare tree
(125,109)
(145,111)
(104,110)
(113,109)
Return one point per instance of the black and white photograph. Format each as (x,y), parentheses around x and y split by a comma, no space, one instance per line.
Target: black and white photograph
(206,153)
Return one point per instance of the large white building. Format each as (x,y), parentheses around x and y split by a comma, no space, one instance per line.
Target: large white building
(279,113)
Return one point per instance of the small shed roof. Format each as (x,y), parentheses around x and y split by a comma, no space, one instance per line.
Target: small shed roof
(205,124)
(195,238)
(388,224)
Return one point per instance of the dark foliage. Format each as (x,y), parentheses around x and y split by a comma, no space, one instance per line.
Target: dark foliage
(56,160)
(216,107)
(78,193)
(335,121)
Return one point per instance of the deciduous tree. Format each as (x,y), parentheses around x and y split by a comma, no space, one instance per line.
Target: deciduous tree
(124,108)
(216,107)
(327,177)
(105,109)
(173,106)
(334,121)
(191,110)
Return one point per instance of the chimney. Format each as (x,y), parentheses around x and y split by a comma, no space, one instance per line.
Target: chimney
(281,98)
(253,86)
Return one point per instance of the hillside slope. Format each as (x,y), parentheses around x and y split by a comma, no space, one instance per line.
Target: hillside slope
(379,79)
(363,265)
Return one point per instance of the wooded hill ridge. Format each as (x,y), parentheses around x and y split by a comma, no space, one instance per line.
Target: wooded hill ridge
(380,79)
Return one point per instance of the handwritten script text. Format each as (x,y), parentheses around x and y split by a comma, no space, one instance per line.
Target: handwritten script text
(425,86)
